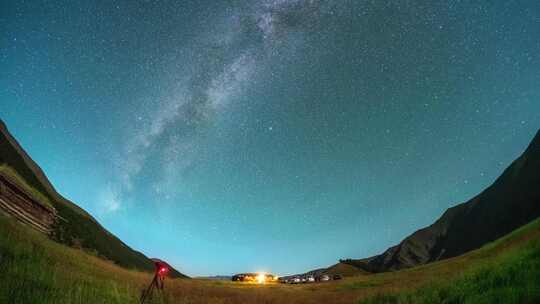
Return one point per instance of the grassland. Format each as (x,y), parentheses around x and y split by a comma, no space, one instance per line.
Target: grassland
(505,271)
(76,227)
(34,269)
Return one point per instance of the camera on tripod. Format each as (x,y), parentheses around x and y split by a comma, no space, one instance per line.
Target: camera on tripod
(161,271)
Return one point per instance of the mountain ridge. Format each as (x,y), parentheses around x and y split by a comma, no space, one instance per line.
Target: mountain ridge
(75,226)
(511,201)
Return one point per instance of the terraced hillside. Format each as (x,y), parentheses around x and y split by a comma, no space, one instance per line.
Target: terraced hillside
(75,226)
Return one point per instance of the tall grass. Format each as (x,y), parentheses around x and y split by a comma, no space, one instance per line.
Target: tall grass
(512,278)
(36,270)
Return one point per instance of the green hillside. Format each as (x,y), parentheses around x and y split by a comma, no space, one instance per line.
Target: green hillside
(76,227)
(505,271)
(34,269)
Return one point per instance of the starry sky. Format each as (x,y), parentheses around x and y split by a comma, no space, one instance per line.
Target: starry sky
(276,135)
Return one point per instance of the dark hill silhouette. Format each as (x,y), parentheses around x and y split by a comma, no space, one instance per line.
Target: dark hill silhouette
(75,226)
(511,201)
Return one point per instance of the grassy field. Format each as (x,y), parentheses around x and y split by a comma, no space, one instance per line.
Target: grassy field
(76,227)
(34,269)
(505,271)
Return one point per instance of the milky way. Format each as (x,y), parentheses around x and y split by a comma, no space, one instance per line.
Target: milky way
(225,60)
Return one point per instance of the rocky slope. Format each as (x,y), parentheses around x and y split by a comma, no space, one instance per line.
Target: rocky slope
(510,202)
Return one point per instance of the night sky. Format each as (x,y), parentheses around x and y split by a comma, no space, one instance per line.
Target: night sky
(236,136)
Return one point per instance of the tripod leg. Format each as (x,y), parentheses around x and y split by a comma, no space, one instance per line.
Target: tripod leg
(145,295)
(151,292)
(160,283)
(152,286)
(148,293)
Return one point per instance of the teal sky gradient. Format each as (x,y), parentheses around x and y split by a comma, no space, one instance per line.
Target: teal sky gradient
(281,135)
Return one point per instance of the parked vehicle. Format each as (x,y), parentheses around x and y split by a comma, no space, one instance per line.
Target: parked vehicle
(310,279)
(337,277)
(325,278)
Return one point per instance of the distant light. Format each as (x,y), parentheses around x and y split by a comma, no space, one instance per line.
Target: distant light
(261,278)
